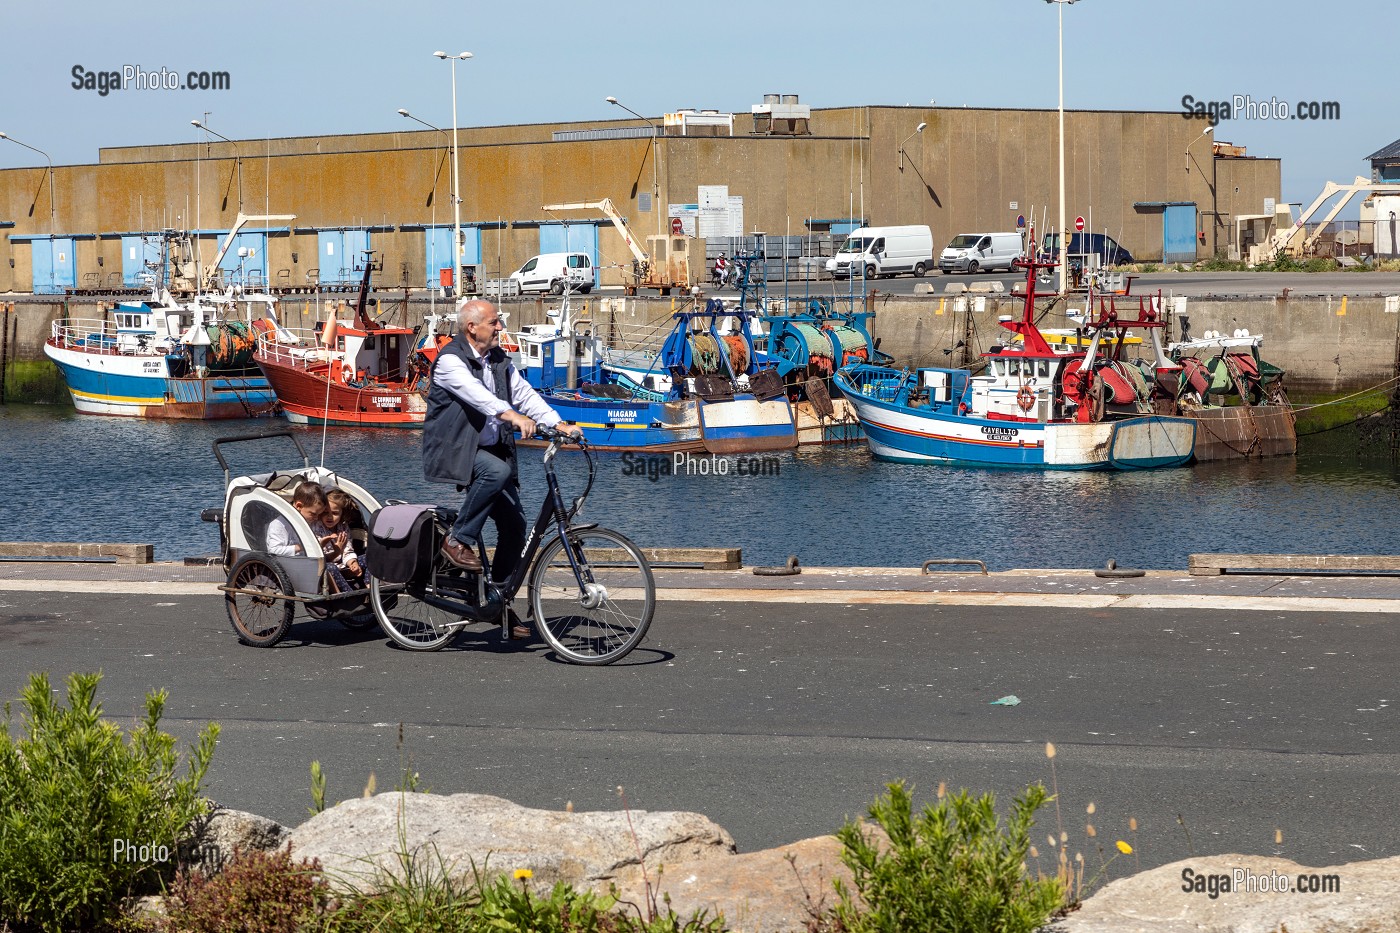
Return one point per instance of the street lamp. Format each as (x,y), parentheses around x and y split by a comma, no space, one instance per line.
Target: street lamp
(1064,239)
(655,190)
(52,228)
(237,158)
(1214,208)
(453,184)
(917,130)
(456,199)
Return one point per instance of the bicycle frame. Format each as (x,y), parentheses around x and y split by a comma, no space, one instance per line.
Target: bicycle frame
(553,511)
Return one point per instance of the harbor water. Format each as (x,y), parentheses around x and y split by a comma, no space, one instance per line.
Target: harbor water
(69,477)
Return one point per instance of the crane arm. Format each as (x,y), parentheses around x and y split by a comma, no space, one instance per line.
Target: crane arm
(238,224)
(610,212)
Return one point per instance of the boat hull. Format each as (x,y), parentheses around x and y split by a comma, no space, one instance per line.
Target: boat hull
(741,425)
(141,387)
(1241,432)
(903,435)
(310,397)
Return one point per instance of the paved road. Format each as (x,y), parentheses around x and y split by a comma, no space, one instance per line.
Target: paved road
(780,720)
(1191,284)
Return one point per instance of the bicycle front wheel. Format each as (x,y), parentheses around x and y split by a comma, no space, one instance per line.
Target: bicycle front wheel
(592,595)
(409,618)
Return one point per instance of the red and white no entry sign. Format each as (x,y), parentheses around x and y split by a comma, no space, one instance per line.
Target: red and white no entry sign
(1079,224)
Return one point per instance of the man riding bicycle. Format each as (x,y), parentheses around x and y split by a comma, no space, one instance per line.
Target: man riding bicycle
(476,402)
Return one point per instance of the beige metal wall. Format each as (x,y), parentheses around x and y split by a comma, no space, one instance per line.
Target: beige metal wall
(960,175)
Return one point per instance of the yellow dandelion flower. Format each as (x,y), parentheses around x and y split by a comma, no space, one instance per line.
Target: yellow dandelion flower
(523,873)
(1124,847)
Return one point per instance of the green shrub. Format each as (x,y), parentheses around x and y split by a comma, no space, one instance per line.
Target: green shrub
(950,869)
(423,895)
(256,892)
(76,800)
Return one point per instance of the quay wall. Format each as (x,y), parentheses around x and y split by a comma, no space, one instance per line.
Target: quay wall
(1327,345)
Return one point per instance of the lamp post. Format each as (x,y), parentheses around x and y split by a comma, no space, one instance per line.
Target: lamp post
(456,198)
(1214,215)
(237,157)
(655,190)
(917,130)
(52,228)
(1064,239)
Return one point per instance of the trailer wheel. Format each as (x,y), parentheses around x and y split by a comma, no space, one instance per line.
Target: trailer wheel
(258,613)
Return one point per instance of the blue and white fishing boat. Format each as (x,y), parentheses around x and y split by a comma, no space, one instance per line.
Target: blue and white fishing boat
(701,392)
(161,358)
(1036,405)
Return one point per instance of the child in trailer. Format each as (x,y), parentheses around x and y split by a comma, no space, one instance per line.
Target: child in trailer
(333,531)
(309,499)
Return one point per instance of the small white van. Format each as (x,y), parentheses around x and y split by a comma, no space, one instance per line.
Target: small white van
(553,272)
(871,252)
(981,252)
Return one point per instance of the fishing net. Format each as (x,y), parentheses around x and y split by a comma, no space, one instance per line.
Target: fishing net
(738,352)
(704,354)
(230,345)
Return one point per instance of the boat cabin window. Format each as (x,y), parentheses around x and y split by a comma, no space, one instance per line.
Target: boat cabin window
(534,351)
(1042,369)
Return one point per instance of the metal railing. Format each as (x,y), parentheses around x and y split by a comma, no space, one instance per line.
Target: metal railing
(306,353)
(90,335)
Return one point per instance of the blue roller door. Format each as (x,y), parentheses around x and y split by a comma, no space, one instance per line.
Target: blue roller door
(570,238)
(1179,233)
(438,251)
(340,253)
(137,252)
(53,265)
(250,269)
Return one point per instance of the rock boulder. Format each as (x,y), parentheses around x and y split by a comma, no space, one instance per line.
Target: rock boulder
(1368,900)
(360,838)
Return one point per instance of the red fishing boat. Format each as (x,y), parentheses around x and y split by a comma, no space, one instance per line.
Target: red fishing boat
(351,371)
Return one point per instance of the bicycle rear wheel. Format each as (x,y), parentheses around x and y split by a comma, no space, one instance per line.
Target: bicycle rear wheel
(407,615)
(601,613)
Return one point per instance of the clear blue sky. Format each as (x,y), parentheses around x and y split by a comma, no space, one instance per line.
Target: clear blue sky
(320,67)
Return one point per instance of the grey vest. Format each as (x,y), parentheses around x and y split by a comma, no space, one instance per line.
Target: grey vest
(452,428)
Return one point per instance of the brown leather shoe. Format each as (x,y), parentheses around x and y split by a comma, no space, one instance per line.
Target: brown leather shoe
(519,631)
(460,555)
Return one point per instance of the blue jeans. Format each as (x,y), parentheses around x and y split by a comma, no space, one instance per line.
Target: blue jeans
(492,495)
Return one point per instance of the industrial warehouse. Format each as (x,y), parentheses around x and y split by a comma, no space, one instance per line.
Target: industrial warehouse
(1158,183)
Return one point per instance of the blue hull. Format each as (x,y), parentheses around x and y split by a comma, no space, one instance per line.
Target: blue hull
(192,397)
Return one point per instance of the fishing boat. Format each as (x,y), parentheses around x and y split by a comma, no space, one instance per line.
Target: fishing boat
(163,359)
(351,370)
(807,348)
(699,392)
(1237,400)
(1035,405)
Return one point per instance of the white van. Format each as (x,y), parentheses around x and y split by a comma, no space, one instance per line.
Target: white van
(552,272)
(981,252)
(878,251)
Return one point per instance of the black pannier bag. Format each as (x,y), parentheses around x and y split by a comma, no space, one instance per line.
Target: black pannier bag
(401,540)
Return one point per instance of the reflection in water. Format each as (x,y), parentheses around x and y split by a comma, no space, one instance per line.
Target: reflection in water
(83,478)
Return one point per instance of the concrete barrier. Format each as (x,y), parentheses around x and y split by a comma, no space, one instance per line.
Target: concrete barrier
(76,551)
(1206,565)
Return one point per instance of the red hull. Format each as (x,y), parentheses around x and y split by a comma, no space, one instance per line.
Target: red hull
(310,397)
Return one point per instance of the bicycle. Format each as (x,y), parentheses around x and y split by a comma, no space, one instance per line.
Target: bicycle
(598,579)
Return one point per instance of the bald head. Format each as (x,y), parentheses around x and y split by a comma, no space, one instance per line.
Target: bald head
(473,311)
(481,323)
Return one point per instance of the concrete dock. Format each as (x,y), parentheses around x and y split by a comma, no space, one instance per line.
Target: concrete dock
(779,706)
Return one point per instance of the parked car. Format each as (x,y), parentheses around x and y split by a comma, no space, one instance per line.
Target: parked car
(1110,253)
(871,252)
(981,252)
(553,272)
